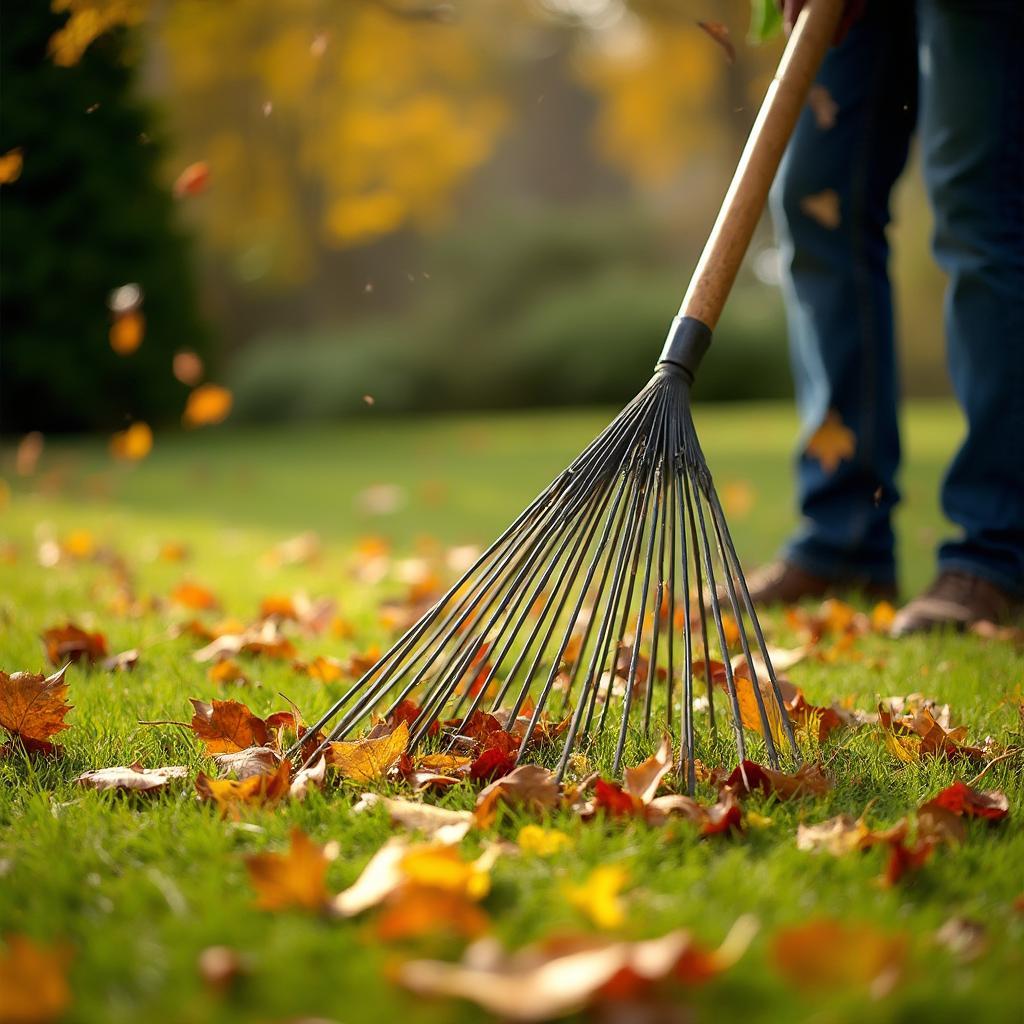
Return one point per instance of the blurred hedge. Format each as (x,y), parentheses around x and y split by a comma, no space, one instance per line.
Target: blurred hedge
(522,311)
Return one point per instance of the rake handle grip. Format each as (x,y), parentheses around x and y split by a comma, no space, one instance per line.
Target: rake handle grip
(744,202)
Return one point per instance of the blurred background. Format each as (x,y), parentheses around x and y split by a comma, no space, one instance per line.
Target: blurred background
(291,211)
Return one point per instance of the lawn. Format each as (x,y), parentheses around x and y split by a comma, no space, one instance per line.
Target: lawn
(137,887)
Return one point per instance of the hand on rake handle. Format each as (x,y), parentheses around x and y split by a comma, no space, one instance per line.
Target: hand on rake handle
(854,9)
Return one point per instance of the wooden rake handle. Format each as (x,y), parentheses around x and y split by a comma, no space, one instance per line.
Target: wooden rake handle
(741,210)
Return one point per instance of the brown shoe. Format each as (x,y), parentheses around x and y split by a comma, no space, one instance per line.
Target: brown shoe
(957,600)
(782,582)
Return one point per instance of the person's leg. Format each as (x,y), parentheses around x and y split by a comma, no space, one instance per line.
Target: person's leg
(972,132)
(838,298)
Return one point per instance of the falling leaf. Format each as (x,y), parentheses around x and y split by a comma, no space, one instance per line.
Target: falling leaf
(529,786)
(284,881)
(598,896)
(257,790)
(33,981)
(72,643)
(206,405)
(188,594)
(11,164)
(823,207)
(542,842)
(134,778)
(127,332)
(566,974)
(826,954)
(366,760)
(133,444)
(824,108)
(187,368)
(32,707)
(962,799)
(720,34)
(226,726)
(832,442)
(438,823)
(192,180)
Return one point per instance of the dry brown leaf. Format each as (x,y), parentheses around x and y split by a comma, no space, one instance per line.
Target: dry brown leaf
(827,954)
(33,981)
(366,760)
(33,706)
(231,795)
(807,780)
(529,785)
(308,779)
(227,726)
(832,442)
(123,662)
(264,640)
(134,778)
(438,823)
(642,781)
(250,761)
(284,881)
(71,643)
(569,973)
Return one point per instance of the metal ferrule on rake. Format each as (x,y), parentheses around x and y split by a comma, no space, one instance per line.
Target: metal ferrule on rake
(601,605)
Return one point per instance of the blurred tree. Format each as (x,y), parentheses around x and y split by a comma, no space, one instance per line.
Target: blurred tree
(86,216)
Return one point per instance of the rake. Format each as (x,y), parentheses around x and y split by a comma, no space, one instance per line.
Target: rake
(610,585)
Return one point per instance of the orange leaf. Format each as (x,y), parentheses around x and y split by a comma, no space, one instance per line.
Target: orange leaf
(11,164)
(194,596)
(33,981)
(807,780)
(529,785)
(417,910)
(206,405)
(226,726)
(32,707)
(133,444)
(231,795)
(192,180)
(71,643)
(832,442)
(294,879)
(366,760)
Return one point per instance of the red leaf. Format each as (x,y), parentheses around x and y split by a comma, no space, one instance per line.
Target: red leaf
(965,800)
(614,800)
(493,763)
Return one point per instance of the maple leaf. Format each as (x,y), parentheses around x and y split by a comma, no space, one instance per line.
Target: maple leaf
(32,707)
(559,976)
(529,785)
(598,896)
(133,778)
(297,878)
(828,954)
(832,442)
(33,981)
(227,726)
(231,795)
(72,643)
(369,759)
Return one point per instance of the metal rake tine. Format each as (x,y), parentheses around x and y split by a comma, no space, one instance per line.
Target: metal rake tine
(686,712)
(698,579)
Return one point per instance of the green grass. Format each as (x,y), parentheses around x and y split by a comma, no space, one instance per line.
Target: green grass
(139,887)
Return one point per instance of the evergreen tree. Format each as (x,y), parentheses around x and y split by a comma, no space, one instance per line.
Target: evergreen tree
(87,215)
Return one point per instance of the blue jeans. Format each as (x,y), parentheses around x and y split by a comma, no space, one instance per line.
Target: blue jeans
(962,63)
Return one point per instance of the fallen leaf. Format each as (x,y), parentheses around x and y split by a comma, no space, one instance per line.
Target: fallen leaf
(642,781)
(563,975)
(284,881)
(838,836)
(123,662)
(33,981)
(231,795)
(826,954)
(194,596)
(530,786)
(249,761)
(33,707)
(807,780)
(436,822)
(598,895)
(366,760)
(542,842)
(308,779)
(227,673)
(134,778)
(227,726)
(962,799)
(265,641)
(832,442)
(72,643)
(206,405)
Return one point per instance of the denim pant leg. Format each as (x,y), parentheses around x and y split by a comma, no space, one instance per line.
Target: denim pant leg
(838,298)
(972,130)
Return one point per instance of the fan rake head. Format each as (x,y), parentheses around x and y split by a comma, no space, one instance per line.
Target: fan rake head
(605,593)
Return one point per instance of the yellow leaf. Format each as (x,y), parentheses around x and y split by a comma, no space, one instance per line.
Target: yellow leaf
(750,714)
(366,760)
(442,867)
(598,895)
(542,842)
